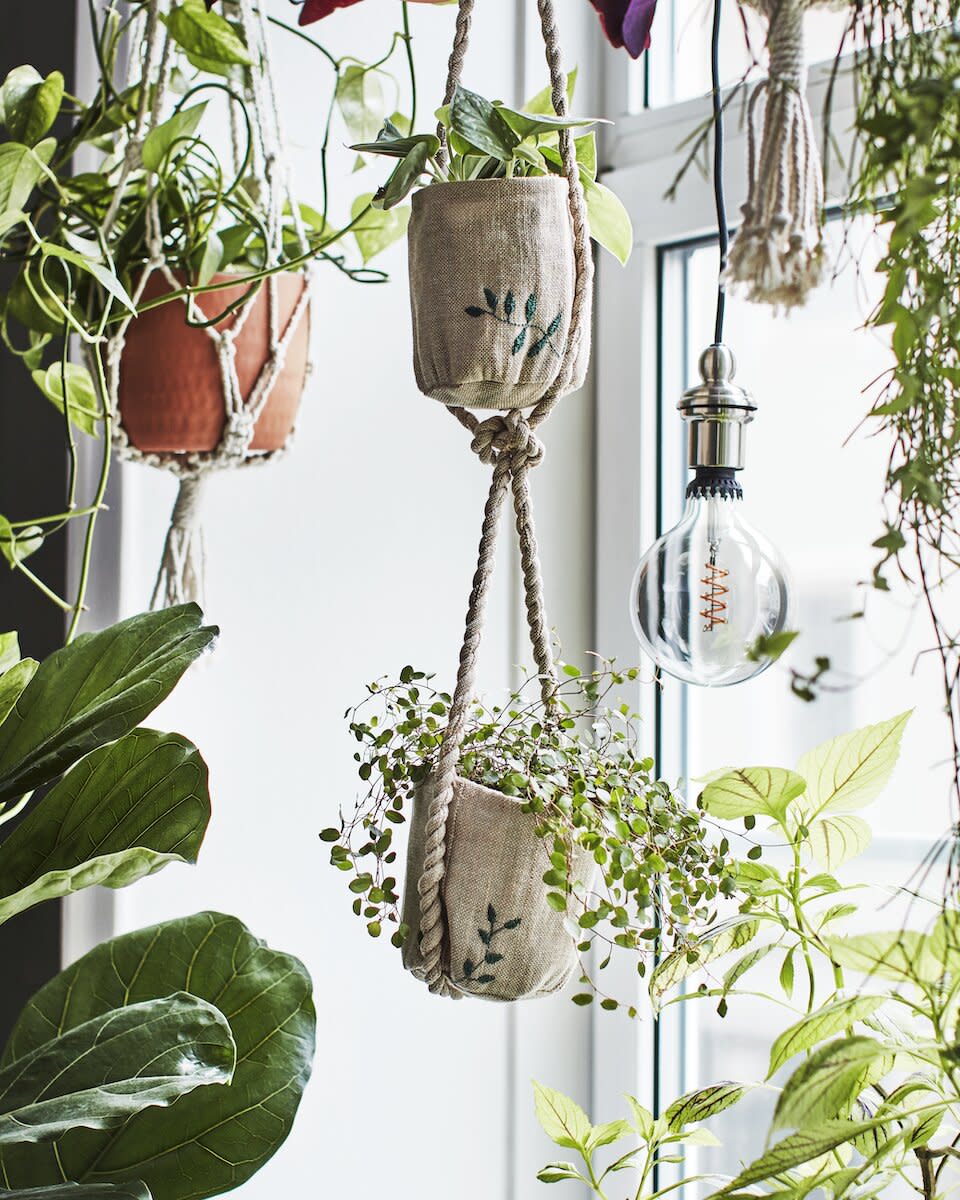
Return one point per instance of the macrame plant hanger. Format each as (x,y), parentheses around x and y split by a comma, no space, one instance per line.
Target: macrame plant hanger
(181,574)
(777,252)
(508,443)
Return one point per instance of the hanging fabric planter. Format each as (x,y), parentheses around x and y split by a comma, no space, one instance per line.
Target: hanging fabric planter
(474,862)
(208,381)
(777,253)
(500,277)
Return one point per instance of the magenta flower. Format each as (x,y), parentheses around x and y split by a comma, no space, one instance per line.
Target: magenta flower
(627,23)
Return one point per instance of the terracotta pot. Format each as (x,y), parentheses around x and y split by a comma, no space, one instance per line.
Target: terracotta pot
(171,392)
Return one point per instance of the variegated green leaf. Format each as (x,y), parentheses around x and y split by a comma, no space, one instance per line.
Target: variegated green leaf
(850,771)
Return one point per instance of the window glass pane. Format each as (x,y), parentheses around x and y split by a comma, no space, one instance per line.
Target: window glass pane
(679,55)
(812,486)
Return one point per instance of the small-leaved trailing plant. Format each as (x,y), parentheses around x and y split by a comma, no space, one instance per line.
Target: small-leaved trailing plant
(168,1062)
(493,141)
(75,185)
(577,769)
(865,1071)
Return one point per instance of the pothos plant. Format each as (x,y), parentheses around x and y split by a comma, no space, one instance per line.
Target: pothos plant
(863,1075)
(577,770)
(78,240)
(168,1062)
(493,141)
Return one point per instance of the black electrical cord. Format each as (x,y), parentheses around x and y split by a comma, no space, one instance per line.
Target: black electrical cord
(723,232)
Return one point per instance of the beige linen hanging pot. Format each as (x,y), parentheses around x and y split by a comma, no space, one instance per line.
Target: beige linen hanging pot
(492,280)
(502,940)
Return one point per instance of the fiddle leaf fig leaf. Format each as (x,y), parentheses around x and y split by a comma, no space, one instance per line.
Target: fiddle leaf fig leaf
(216,1137)
(850,771)
(81,1191)
(94,691)
(752,791)
(123,812)
(98,1074)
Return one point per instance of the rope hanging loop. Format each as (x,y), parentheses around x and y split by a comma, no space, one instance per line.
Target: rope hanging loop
(777,255)
(160,365)
(501,270)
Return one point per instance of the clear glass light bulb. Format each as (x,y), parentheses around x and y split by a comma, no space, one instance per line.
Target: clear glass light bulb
(706,591)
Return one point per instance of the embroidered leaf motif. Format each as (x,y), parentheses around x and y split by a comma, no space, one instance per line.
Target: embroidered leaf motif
(537,346)
(472,311)
(490,957)
(527,327)
(555,324)
(468,968)
(519,341)
(491,299)
(509,304)
(491,914)
(485,978)
(511,924)
(531,306)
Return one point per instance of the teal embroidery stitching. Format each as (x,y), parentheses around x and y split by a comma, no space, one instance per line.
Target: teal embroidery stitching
(488,956)
(542,337)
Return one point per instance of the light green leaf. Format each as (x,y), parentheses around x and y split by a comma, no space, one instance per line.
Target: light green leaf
(820,1025)
(746,963)
(217,1137)
(703,1103)
(826,1084)
(173,133)
(101,273)
(30,103)
(362,102)
(642,1118)
(797,1149)
(9,651)
(676,966)
(94,691)
(607,1134)
(21,169)
(97,1074)
(610,223)
(849,772)
(82,399)
(542,102)
(531,125)
(586,148)
(701,1136)
(835,840)
(123,812)
(562,1119)
(378,228)
(552,1173)
(210,259)
(18,544)
(901,955)
(206,34)
(752,791)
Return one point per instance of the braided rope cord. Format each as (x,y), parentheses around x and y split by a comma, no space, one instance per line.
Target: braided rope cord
(180,575)
(508,443)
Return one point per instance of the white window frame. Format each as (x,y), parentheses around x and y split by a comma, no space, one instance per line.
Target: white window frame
(634,382)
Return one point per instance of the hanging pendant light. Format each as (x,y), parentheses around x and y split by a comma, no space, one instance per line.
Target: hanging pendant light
(707,592)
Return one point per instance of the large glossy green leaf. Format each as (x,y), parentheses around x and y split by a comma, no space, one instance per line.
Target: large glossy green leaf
(849,772)
(98,1074)
(820,1025)
(826,1084)
(13,682)
(481,125)
(94,691)
(680,964)
(81,1191)
(216,1138)
(752,791)
(123,812)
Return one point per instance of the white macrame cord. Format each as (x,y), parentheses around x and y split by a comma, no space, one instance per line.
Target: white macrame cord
(180,576)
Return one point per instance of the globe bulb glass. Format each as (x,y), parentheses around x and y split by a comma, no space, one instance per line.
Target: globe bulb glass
(706,591)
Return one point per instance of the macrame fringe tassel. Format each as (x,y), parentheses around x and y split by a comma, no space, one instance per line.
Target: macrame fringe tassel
(777,254)
(180,578)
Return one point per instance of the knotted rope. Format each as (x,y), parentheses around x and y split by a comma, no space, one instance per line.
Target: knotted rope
(777,253)
(180,577)
(509,444)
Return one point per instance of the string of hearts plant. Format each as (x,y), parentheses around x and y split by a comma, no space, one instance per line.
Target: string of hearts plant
(577,768)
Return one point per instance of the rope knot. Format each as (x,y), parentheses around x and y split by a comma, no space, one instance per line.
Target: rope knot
(510,435)
(238,434)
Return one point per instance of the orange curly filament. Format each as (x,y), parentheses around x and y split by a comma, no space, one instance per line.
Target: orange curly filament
(714,598)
